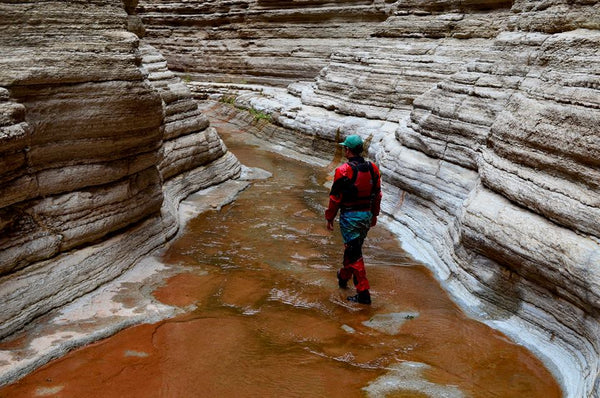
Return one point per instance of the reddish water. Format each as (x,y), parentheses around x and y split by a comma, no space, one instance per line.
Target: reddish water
(270,320)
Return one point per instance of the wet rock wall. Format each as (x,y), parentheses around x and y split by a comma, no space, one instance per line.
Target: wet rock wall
(483,116)
(98,144)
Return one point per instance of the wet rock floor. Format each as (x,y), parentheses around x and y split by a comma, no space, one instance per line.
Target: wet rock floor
(266,317)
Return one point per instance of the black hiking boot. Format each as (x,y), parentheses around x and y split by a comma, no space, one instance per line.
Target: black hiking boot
(342,283)
(363,297)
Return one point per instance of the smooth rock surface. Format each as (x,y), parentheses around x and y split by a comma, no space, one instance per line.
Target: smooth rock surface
(99,143)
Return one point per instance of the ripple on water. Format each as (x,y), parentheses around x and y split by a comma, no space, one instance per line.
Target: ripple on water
(390,323)
(295,299)
(408,377)
(48,391)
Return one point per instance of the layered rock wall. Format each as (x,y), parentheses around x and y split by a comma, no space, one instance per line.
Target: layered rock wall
(98,144)
(483,116)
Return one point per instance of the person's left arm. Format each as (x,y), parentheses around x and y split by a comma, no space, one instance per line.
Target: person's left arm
(376,204)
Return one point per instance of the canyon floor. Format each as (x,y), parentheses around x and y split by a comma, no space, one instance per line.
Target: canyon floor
(245,303)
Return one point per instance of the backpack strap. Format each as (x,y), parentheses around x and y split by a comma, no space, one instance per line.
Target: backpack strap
(354,167)
(374,178)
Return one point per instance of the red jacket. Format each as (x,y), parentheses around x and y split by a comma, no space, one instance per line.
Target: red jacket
(368,186)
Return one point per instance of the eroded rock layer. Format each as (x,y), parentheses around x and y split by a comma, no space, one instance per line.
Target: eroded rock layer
(98,144)
(482,114)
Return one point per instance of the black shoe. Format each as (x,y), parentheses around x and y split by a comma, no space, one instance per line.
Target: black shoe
(342,283)
(363,297)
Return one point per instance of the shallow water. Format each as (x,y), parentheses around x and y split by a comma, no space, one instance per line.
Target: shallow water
(269,319)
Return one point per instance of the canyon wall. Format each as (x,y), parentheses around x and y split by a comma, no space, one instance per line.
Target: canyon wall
(482,114)
(99,142)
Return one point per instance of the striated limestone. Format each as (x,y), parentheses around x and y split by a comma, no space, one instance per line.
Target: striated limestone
(99,143)
(554,16)
(554,174)
(189,142)
(483,116)
(254,41)
(45,42)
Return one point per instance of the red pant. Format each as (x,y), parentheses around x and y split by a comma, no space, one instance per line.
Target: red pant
(357,270)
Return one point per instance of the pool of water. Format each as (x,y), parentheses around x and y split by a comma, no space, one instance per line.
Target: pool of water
(266,317)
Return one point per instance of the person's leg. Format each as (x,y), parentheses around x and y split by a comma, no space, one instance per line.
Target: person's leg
(354,227)
(354,266)
(352,252)
(343,276)
(360,275)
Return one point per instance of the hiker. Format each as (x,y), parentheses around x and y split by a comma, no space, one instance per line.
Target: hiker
(356,192)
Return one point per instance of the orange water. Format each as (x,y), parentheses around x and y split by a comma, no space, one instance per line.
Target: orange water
(270,320)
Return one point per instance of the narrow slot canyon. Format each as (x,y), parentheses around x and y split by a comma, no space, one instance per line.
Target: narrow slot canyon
(165,167)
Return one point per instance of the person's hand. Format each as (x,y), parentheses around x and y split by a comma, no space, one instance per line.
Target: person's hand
(374,221)
(330,225)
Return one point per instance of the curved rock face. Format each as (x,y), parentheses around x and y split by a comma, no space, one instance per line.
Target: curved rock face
(482,114)
(99,142)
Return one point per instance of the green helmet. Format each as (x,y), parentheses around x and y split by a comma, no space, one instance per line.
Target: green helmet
(354,143)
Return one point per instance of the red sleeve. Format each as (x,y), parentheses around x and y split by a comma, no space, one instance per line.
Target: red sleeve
(332,209)
(336,200)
